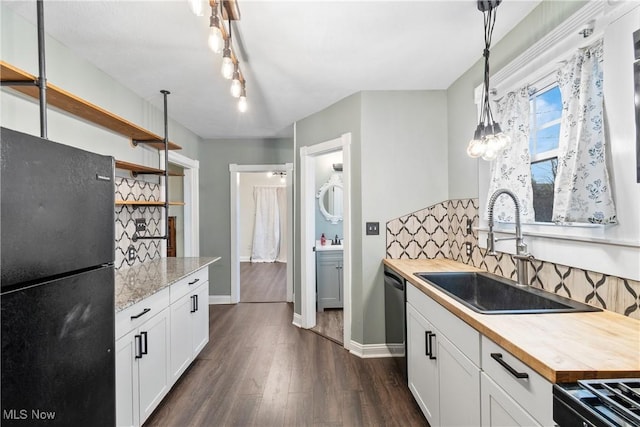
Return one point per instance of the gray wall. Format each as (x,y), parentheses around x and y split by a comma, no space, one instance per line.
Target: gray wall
(462,112)
(215,197)
(399,153)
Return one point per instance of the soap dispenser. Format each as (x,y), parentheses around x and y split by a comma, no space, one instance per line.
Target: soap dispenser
(323,240)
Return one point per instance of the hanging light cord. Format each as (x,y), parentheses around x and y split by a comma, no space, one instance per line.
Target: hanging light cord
(489,22)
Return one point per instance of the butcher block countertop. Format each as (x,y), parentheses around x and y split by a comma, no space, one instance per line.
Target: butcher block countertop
(136,283)
(562,347)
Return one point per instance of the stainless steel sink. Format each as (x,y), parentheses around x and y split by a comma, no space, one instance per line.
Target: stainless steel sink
(490,294)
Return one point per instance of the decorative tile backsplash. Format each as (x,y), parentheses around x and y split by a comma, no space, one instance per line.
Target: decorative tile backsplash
(146,250)
(441,231)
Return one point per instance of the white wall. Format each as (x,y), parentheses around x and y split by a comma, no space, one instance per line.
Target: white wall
(248,208)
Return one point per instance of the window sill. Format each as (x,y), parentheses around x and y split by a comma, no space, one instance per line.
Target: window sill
(564,233)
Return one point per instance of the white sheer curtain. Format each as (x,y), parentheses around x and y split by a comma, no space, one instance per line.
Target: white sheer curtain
(512,168)
(582,190)
(269,236)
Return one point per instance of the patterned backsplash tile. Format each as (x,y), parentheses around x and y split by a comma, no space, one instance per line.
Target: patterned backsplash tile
(125,227)
(441,231)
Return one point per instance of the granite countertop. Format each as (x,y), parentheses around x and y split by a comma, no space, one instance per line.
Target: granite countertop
(133,284)
(562,347)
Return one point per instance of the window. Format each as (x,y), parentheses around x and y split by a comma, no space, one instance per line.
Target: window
(545,110)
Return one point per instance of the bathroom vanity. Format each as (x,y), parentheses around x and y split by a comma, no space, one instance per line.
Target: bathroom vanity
(329,276)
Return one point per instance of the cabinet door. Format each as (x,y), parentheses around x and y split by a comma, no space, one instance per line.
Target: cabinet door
(459,382)
(200,319)
(421,369)
(328,269)
(127,413)
(499,409)
(181,339)
(153,366)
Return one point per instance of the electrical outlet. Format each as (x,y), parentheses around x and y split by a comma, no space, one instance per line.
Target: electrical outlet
(141,225)
(469,248)
(131,253)
(373,228)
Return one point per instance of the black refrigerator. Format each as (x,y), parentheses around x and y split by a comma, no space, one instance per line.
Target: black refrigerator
(57,284)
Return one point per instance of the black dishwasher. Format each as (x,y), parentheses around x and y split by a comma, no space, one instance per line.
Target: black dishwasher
(395,297)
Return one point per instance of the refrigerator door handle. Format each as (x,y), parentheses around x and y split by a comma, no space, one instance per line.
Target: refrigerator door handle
(138,346)
(144,334)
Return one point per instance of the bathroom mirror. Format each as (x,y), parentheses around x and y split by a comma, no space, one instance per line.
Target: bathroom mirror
(330,199)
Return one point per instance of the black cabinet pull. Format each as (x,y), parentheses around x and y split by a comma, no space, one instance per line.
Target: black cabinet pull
(144,334)
(197,307)
(193,303)
(138,346)
(429,336)
(194,281)
(142,313)
(428,344)
(498,358)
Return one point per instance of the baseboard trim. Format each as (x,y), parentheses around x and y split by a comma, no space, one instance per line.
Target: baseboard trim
(366,351)
(245,259)
(297,320)
(219,299)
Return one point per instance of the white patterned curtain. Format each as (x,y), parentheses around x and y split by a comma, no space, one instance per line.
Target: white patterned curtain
(266,230)
(582,191)
(512,168)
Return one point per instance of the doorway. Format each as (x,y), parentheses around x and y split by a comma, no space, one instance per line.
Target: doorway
(183,188)
(308,155)
(257,266)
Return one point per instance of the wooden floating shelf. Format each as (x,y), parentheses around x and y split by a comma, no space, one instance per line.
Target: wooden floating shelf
(70,103)
(145,203)
(140,169)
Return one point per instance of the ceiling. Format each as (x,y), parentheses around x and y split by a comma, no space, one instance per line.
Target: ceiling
(297,56)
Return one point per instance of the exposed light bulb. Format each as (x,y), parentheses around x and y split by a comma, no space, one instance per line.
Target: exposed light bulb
(227,67)
(236,84)
(269,174)
(215,39)
(242,104)
(196,7)
(476,145)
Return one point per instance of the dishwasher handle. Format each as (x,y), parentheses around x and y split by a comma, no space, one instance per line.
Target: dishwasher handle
(393,280)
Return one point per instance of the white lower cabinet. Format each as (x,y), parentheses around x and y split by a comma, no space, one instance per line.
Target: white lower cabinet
(142,370)
(189,328)
(441,377)
(499,409)
(156,340)
(462,378)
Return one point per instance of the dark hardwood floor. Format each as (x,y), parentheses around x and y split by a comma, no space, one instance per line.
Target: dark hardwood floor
(330,324)
(263,282)
(260,370)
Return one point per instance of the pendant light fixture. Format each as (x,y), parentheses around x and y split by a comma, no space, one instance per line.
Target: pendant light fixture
(215,33)
(488,139)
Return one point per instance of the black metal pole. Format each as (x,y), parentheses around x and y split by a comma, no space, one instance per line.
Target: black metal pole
(42,79)
(166,166)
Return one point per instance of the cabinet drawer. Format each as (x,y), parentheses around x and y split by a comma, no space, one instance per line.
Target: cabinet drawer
(534,393)
(187,284)
(463,336)
(132,317)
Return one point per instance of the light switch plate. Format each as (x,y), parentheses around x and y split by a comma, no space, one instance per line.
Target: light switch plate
(373,228)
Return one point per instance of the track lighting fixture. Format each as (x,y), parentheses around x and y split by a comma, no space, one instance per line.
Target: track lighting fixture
(215,33)
(488,139)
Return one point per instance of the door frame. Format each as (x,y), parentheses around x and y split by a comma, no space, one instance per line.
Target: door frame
(307,228)
(234,171)
(191,234)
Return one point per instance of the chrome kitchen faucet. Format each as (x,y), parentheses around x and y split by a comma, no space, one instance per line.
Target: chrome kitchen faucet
(521,247)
